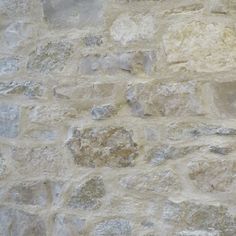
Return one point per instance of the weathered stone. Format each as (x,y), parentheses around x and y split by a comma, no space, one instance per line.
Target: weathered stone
(17,33)
(129,62)
(8,65)
(30,89)
(43,135)
(102,112)
(72,13)
(185,130)
(35,161)
(91,41)
(109,146)
(3,167)
(198,233)
(161,182)
(115,227)
(212,176)
(198,216)
(9,120)
(68,225)
(173,99)
(201,47)
(127,28)
(88,195)
(225,99)
(49,57)
(218,6)
(185,9)
(53,113)
(221,150)
(160,154)
(39,193)
(19,223)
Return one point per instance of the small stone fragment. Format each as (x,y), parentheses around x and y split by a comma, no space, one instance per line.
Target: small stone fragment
(220,150)
(8,65)
(102,112)
(115,227)
(88,195)
(218,6)
(198,233)
(91,41)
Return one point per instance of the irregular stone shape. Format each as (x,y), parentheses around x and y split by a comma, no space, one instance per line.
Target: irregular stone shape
(213,176)
(198,233)
(221,150)
(126,28)
(19,223)
(185,9)
(53,113)
(115,227)
(30,89)
(8,65)
(3,167)
(201,47)
(88,195)
(91,41)
(9,120)
(68,225)
(43,135)
(225,99)
(129,62)
(39,160)
(185,130)
(49,57)
(16,33)
(173,99)
(218,6)
(161,182)
(73,13)
(109,146)
(102,112)
(40,193)
(160,154)
(198,216)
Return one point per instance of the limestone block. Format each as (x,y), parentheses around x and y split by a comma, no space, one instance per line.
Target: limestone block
(201,47)
(116,227)
(129,62)
(105,146)
(9,120)
(160,182)
(87,195)
(213,176)
(173,99)
(102,112)
(8,65)
(128,28)
(38,193)
(17,222)
(30,89)
(49,57)
(218,6)
(68,225)
(71,13)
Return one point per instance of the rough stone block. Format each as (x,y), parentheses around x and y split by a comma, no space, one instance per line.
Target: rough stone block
(108,146)
(9,120)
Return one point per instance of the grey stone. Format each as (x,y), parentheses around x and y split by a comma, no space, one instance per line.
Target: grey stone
(102,112)
(49,57)
(113,227)
(220,150)
(30,89)
(88,195)
(40,193)
(19,223)
(129,62)
(73,13)
(8,65)
(105,146)
(9,120)
(198,233)
(197,216)
(68,225)
(91,41)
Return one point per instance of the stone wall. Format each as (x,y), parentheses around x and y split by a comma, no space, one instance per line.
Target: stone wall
(117,117)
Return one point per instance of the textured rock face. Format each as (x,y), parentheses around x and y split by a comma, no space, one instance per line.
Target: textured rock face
(117,117)
(109,146)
